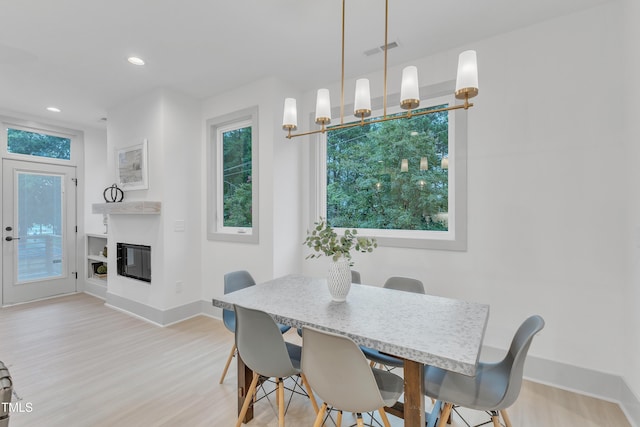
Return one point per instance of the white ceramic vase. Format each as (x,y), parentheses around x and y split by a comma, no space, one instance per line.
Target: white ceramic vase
(339,279)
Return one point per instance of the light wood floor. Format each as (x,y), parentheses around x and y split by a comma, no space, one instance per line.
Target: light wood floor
(79,363)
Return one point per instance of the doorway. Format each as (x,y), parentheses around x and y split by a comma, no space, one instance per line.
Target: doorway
(38,231)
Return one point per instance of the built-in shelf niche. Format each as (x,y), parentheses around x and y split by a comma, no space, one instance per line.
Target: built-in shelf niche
(127,208)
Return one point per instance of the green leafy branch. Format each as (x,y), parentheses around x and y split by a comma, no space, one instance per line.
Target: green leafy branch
(323,240)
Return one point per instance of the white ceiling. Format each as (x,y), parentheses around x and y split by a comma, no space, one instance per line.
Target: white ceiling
(72,53)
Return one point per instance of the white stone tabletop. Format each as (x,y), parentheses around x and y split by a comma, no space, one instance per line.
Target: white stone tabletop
(437,331)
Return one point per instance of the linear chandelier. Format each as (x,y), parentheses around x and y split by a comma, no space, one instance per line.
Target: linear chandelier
(466,88)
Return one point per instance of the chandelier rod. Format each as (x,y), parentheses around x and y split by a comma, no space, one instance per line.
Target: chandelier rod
(386,45)
(342,87)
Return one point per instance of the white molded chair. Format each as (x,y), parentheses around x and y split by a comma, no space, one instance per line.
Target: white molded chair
(495,386)
(340,374)
(264,350)
(234,281)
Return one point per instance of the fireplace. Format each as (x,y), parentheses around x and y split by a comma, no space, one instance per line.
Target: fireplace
(134,261)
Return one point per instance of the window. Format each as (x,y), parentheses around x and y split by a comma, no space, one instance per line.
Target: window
(21,141)
(232,193)
(234,161)
(39,142)
(402,181)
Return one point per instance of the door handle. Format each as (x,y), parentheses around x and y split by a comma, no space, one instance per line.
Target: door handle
(10,238)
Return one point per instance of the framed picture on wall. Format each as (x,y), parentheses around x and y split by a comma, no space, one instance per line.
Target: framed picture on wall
(131,167)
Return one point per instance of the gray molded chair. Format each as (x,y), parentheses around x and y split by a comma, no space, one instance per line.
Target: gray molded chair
(264,350)
(401,284)
(494,388)
(234,281)
(340,374)
(355,278)
(406,284)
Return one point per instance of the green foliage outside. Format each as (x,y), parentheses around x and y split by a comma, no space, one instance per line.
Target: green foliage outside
(365,186)
(40,198)
(237,177)
(38,144)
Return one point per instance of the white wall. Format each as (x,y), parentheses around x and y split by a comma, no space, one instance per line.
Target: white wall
(279,205)
(630,161)
(96,177)
(543,202)
(128,125)
(170,123)
(547,233)
(287,190)
(181,186)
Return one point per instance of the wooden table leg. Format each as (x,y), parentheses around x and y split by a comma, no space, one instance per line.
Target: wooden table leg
(413,394)
(245,375)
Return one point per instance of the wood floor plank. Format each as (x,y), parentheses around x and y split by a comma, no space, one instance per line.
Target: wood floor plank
(80,364)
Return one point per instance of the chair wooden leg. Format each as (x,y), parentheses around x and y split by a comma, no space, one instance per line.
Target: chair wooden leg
(312,398)
(505,417)
(248,398)
(444,416)
(339,420)
(320,415)
(496,419)
(385,419)
(359,420)
(226,367)
(280,402)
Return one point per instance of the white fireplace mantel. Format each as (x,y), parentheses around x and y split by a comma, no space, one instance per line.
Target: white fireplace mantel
(127,208)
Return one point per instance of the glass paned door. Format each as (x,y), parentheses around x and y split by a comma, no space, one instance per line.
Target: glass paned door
(39,225)
(38,230)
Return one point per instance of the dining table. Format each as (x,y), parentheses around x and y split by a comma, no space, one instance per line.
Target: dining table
(419,329)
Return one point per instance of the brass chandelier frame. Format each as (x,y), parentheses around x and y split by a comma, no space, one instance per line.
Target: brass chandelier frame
(465,94)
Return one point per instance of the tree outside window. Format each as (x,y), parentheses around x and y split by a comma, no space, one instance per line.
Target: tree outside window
(38,144)
(390,175)
(237,177)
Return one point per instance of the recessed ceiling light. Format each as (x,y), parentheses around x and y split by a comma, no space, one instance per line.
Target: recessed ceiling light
(135,60)
(54,109)
(414,133)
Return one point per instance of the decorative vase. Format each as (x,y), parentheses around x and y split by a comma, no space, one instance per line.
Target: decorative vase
(339,279)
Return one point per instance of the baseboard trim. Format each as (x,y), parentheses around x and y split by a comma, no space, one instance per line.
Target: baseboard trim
(209,310)
(151,314)
(605,386)
(630,404)
(589,382)
(95,290)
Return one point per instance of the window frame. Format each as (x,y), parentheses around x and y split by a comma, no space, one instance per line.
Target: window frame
(74,136)
(456,237)
(216,231)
